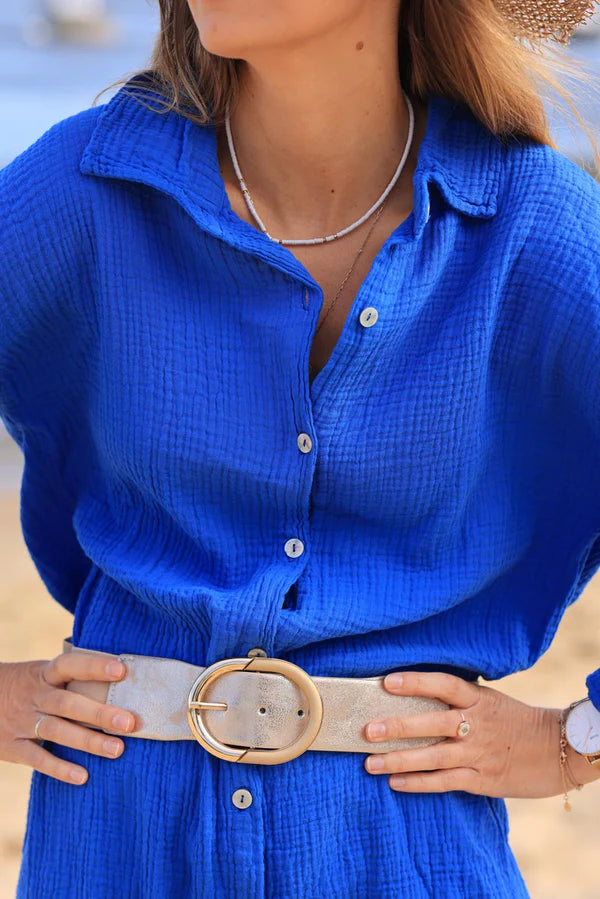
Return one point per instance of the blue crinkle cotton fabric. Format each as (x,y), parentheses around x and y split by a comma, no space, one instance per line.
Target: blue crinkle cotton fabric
(154,371)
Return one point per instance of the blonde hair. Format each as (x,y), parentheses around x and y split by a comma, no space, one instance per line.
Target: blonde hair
(464,50)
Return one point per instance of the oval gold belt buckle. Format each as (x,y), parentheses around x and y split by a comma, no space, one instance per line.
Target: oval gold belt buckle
(297,675)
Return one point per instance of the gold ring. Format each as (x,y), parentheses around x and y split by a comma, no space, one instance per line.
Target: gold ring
(463,728)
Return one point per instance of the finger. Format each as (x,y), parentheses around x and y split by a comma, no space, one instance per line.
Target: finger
(69,704)
(448,687)
(28,752)
(435,781)
(82,666)
(59,730)
(423,724)
(425,758)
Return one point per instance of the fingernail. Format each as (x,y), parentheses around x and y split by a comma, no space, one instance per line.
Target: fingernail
(375,762)
(393,680)
(112,746)
(121,722)
(114,668)
(397,781)
(78,776)
(376,730)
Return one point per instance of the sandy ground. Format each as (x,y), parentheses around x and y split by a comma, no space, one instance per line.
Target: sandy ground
(557,851)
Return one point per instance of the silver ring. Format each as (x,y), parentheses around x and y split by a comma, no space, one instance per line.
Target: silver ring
(37,724)
(463,728)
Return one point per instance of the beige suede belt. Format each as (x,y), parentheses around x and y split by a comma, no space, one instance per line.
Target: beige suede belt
(253,709)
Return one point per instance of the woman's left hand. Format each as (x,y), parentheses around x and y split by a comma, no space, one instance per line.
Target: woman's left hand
(511,750)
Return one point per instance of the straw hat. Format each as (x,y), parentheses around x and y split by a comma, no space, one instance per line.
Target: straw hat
(547,19)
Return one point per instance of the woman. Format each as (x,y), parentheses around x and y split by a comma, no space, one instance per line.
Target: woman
(372,454)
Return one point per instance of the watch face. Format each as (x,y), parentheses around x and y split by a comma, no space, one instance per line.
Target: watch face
(583,728)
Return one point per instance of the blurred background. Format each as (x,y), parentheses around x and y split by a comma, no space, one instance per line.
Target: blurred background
(55,55)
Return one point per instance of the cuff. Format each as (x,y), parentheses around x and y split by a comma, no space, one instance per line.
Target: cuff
(592,682)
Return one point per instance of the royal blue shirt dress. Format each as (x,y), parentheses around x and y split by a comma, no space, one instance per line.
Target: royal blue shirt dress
(154,354)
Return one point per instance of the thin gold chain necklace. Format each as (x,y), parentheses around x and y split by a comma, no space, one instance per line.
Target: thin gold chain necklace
(346,276)
(379,206)
(352,267)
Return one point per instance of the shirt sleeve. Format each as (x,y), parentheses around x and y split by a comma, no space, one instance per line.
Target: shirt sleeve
(579,364)
(567,280)
(46,328)
(584,384)
(582,373)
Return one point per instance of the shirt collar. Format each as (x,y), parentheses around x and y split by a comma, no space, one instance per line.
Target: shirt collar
(175,155)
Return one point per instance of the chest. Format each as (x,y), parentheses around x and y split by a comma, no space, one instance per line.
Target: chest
(340,269)
(198,381)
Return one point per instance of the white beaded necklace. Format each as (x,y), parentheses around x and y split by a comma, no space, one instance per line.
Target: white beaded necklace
(315,240)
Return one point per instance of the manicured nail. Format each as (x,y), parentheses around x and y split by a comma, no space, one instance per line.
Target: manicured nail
(112,746)
(121,722)
(78,776)
(114,668)
(397,781)
(376,730)
(375,763)
(393,680)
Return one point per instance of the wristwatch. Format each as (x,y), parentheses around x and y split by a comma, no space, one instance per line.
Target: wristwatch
(582,729)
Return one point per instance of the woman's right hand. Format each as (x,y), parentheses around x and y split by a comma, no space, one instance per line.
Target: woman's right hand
(29,690)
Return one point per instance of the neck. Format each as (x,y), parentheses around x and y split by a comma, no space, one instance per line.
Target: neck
(319,132)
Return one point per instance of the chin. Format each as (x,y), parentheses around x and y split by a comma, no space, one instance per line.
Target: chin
(218,39)
(226,28)
(245,29)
